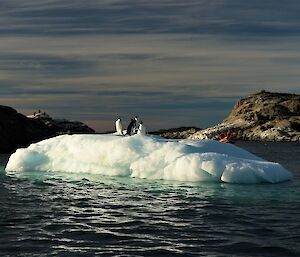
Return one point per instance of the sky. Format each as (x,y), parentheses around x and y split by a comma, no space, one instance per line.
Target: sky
(172,63)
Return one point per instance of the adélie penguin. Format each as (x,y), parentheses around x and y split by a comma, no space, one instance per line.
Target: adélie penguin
(141,129)
(119,127)
(131,127)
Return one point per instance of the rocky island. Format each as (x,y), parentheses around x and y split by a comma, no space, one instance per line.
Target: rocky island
(264,116)
(17,130)
(176,133)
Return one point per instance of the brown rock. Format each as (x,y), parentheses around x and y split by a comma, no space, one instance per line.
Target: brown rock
(262,116)
(176,133)
(16,130)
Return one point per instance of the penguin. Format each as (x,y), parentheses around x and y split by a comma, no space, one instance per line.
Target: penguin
(136,125)
(141,129)
(131,128)
(119,127)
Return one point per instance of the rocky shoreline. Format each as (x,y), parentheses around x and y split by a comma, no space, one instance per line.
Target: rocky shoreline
(176,133)
(264,116)
(17,130)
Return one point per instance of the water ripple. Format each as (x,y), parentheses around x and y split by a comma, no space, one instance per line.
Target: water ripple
(54,214)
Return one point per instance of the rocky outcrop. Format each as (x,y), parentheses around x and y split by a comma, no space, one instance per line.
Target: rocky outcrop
(262,116)
(63,126)
(176,133)
(17,130)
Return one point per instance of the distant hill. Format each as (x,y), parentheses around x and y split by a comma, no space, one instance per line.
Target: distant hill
(176,133)
(263,116)
(17,130)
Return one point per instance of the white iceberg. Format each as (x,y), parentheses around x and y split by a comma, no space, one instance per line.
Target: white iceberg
(148,157)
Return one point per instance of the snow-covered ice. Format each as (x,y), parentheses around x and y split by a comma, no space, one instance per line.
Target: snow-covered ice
(148,157)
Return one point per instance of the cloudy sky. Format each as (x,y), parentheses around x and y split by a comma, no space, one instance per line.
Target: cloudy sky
(170,62)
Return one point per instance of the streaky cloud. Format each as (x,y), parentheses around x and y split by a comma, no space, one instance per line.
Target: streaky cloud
(231,17)
(172,62)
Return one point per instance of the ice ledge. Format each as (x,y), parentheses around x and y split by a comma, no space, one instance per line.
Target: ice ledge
(147,157)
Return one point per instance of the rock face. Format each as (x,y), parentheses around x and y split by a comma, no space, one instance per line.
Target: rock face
(176,133)
(63,126)
(263,116)
(16,130)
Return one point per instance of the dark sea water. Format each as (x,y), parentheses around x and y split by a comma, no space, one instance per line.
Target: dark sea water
(52,214)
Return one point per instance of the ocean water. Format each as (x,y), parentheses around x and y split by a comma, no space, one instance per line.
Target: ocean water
(58,214)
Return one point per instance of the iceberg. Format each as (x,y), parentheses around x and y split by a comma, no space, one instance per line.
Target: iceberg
(148,157)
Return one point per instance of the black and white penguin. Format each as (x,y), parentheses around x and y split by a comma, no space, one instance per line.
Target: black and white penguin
(119,127)
(131,127)
(137,123)
(141,129)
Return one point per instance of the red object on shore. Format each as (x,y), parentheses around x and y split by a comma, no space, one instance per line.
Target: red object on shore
(224,140)
(227,137)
